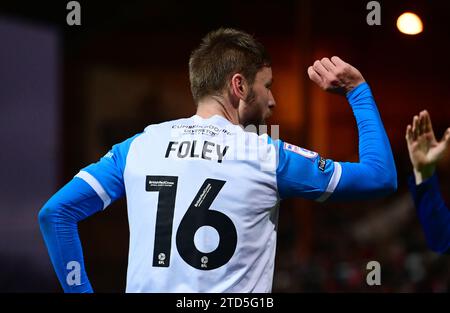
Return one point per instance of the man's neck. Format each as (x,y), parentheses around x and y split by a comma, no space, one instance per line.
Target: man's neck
(211,106)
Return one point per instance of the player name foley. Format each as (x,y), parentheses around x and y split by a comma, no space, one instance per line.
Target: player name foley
(187,303)
(193,149)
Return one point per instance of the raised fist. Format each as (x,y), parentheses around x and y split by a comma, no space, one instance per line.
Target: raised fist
(335,75)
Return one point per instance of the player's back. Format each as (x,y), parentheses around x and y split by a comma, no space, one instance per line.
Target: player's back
(202,207)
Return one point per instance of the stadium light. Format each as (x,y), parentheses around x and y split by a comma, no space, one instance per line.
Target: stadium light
(409,23)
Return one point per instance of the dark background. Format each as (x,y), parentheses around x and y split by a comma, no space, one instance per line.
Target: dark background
(68,93)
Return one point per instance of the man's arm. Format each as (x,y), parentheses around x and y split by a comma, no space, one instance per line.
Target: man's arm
(433,215)
(424,152)
(375,174)
(58,220)
(313,177)
(92,190)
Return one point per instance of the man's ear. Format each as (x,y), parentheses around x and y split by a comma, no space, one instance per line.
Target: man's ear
(239,86)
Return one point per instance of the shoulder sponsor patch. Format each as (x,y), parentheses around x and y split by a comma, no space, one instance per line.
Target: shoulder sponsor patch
(301,151)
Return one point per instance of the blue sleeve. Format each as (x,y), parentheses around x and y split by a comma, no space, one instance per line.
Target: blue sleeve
(106,176)
(303,173)
(58,220)
(375,175)
(434,216)
(90,191)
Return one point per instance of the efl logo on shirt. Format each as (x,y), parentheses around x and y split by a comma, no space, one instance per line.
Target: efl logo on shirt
(301,151)
(322,164)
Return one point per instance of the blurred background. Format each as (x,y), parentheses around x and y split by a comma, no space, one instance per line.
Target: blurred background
(68,93)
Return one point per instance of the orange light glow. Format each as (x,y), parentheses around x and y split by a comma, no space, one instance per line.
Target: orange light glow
(409,23)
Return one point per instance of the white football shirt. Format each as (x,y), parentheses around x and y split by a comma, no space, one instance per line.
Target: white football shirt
(202,198)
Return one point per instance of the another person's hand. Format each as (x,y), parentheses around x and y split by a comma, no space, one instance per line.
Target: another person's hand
(335,75)
(424,150)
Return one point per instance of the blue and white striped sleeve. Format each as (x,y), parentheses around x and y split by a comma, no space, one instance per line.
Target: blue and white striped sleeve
(90,191)
(304,173)
(106,176)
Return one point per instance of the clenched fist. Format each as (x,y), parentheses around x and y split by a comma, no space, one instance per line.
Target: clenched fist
(335,75)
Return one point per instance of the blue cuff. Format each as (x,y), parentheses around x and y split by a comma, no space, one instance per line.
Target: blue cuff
(353,94)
